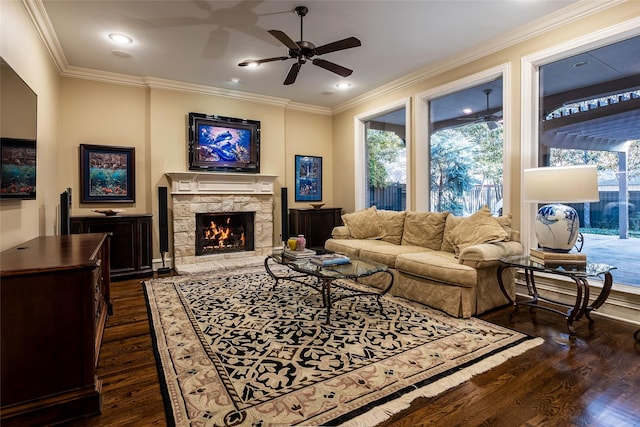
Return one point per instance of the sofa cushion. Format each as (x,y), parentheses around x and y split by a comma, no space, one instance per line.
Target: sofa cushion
(387,254)
(424,229)
(363,224)
(438,266)
(352,247)
(481,227)
(392,223)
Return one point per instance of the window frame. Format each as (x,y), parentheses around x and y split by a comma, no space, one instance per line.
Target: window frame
(530,90)
(422,149)
(360,155)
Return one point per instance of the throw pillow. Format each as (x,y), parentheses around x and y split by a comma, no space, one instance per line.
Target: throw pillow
(424,229)
(363,224)
(392,225)
(505,223)
(451,223)
(479,228)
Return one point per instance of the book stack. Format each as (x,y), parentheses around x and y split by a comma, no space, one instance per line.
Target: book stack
(557,259)
(327,260)
(297,255)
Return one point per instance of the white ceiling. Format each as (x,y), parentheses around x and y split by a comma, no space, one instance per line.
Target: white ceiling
(201,42)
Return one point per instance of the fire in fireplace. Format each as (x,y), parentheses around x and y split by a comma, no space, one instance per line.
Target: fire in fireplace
(224,232)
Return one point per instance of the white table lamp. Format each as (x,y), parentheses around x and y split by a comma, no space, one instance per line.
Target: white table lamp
(557,226)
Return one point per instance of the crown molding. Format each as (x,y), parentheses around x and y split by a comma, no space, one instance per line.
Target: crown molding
(157,83)
(40,19)
(42,23)
(38,15)
(540,26)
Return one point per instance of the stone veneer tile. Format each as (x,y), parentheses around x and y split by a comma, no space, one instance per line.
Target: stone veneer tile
(186,206)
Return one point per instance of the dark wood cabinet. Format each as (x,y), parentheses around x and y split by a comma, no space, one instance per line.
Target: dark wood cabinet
(54,302)
(315,224)
(131,250)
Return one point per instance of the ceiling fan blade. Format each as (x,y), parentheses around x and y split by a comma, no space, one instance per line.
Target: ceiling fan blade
(335,68)
(284,39)
(293,73)
(339,45)
(262,61)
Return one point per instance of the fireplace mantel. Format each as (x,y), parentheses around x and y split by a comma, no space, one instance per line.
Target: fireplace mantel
(220,183)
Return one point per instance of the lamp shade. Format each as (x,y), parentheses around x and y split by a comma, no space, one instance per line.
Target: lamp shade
(557,225)
(561,184)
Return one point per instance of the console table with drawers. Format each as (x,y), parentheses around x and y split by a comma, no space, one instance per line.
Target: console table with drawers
(54,303)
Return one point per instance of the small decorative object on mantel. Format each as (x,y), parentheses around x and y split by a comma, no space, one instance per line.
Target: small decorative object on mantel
(317,205)
(108,212)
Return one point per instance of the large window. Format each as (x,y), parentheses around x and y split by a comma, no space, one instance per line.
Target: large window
(590,114)
(466,150)
(386,161)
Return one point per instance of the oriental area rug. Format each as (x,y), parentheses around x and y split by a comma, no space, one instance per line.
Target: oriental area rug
(234,351)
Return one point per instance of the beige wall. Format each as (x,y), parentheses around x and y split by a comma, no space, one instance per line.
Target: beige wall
(98,113)
(309,135)
(21,48)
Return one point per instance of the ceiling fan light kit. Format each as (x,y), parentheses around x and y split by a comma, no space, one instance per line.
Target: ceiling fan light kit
(304,50)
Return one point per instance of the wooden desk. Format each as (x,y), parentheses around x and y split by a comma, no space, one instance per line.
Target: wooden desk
(54,302)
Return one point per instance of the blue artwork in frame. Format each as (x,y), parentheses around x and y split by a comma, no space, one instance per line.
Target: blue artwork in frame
(308,178)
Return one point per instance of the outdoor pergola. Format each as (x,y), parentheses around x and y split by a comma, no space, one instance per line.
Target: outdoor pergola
(596,122)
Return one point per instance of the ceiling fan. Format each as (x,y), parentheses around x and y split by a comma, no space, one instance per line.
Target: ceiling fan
(303,50)
(488,116)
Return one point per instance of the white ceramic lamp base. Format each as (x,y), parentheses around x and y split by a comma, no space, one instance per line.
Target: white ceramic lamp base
(557,227)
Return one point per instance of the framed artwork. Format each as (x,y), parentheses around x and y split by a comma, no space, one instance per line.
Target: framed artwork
(218,143)
(308,178)
(107,174)
(18,178)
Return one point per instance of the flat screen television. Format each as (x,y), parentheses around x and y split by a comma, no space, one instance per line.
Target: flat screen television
(218,143)
(18,175)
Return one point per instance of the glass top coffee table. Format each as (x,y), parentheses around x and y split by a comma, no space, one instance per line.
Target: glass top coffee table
(327,277)
(579,275)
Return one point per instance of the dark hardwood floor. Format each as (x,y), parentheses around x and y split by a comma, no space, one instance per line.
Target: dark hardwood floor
(594,382)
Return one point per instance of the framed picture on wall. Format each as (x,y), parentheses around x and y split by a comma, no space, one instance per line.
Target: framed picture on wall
(107,174)
(18,169)
(308,178)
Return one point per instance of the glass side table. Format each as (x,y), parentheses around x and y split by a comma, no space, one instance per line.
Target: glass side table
(579,275)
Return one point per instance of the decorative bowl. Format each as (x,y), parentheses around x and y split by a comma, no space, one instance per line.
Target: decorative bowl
(317,205)
(108,212)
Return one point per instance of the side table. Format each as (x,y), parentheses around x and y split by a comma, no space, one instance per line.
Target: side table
(315,224)
(579,275)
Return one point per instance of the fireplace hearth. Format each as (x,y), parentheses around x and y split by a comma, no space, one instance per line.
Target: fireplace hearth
(224,232)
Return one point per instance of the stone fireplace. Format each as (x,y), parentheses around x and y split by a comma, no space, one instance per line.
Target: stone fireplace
(243,203)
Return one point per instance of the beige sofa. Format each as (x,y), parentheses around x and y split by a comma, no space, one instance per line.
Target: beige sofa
(437,259)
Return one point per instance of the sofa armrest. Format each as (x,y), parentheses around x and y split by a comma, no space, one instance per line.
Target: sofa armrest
(490,251)
(340,232)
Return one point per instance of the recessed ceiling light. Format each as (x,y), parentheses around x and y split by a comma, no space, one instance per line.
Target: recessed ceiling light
(343,85)
(121,54)
(120,38)
(467,110)
(234,80)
